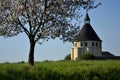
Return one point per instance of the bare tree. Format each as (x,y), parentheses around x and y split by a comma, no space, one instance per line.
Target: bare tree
(41,19)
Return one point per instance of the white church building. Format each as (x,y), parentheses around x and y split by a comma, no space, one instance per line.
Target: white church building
(87,41)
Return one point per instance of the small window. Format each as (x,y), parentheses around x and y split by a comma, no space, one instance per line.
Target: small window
(86,44)
(92,44)
(96,44)
(81,44)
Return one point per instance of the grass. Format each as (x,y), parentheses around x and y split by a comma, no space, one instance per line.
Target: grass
(62,70)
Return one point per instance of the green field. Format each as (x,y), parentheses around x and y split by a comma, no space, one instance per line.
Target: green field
(62,70)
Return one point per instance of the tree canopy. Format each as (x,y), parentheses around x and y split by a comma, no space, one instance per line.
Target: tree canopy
(42,19)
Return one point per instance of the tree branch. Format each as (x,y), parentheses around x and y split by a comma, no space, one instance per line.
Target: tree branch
(38,26)
(27,12)
(45,5)
(37,39)
(26,31)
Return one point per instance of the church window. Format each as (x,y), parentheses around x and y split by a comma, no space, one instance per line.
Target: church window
(81,44)
(96,44)
(86,44)
(93,44)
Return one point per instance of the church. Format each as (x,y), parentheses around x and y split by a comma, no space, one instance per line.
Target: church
(87,41)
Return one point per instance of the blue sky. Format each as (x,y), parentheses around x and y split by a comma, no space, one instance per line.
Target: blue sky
(105,20)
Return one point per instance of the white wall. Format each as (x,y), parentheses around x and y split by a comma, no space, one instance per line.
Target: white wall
(93,47)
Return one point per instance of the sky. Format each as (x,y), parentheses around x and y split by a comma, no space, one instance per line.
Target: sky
(105,20)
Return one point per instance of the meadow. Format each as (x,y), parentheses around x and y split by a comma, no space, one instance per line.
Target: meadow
(62,70)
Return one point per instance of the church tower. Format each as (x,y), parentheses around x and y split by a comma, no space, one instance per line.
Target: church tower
(87,41)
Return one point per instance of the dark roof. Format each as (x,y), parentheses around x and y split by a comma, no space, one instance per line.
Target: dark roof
(107,54)
(87,33)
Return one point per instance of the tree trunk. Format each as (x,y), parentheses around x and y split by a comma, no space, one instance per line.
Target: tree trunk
(31,53)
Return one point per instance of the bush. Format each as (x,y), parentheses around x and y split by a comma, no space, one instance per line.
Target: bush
(86,56)
(68,57)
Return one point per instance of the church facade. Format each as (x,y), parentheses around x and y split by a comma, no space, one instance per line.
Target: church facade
(87,41)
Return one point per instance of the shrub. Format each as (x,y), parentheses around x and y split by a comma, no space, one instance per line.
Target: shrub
(86,56)
(68,57)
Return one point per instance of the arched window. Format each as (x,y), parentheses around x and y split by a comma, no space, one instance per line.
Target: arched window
(81,44)
(92,43)
(96,44)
